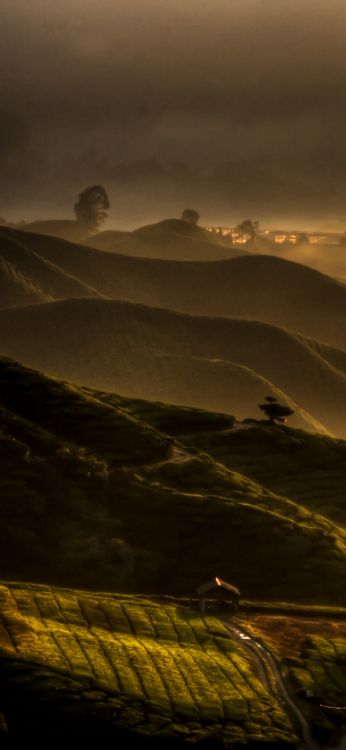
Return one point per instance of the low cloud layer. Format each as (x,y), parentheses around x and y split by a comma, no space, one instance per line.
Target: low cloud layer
(234,107)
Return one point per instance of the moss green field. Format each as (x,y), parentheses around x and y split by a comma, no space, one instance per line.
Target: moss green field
(129,664)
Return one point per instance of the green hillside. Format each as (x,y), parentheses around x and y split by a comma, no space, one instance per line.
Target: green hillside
(310,646)
(108,495)
(308,468)
(151,353)
(128,668)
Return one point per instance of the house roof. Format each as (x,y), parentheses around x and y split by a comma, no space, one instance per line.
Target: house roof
(217,584)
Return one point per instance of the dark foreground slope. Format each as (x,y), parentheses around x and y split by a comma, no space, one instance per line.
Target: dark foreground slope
(263,288)
(93,495)
(215,363)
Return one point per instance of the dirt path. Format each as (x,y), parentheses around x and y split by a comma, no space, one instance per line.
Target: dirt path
(272,680)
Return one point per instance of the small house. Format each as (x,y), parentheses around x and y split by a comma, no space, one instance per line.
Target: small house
(224,596)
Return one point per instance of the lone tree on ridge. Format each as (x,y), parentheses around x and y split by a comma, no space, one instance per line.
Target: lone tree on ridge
(190,215)
(275,411)
(91,207)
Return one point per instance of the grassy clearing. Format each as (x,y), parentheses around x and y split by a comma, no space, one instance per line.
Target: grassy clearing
(139,666)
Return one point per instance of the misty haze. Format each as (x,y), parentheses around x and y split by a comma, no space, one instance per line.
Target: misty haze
(173,373)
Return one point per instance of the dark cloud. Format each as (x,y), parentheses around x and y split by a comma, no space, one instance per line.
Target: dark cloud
(122,91)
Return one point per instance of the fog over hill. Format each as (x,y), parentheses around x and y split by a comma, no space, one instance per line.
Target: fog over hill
(326,258)
(117,346)
(263,288)
(171,239)
(172,547)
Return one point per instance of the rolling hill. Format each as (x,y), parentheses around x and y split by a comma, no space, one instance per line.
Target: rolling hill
(66,229)
(142,351)
(95,495)
(263,288)
(171,239)
(26,277)
(328,259)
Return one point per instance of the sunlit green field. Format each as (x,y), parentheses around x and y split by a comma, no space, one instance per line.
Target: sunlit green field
(146,667)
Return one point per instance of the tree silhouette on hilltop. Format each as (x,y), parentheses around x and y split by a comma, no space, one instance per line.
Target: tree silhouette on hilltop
(190,215)
(275,411)
(91,207)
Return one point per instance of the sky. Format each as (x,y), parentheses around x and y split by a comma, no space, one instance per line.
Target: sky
(234,107)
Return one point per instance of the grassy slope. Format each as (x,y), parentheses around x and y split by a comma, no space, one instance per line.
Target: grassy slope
(110,345)
(93,495)
(262,288)
(26,277)
(310,469)
(126,667)
(211,383)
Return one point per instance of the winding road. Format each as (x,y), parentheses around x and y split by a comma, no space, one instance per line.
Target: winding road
(273,681)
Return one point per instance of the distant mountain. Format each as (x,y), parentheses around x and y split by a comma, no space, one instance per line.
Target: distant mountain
(171,239)
(263,288)
(26,277)
(96,493)
(144,351)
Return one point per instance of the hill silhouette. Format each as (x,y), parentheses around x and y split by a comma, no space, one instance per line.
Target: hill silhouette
(120,346)
(171,239)
(209,383)
(26,277)
(90,489)
(326,258)
(263,288)
(66,229)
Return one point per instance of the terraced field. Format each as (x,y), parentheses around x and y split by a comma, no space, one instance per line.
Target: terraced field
(116,665)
